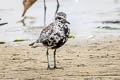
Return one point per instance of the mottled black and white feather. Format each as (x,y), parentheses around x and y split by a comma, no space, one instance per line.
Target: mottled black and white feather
(56,34)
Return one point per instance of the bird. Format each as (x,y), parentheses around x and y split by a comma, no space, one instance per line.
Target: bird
(55,35)
(28,3)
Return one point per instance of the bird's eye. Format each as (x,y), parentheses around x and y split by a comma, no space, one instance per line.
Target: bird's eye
(59,18)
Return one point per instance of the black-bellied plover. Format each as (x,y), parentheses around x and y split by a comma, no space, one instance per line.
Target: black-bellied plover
(55,35)
(28,3)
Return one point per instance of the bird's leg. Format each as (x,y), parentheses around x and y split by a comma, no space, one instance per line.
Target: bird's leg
(55,58)
(45,13)
(48,59)
(55,67)
(58,5)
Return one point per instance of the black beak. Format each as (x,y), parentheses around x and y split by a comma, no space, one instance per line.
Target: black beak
(67,22)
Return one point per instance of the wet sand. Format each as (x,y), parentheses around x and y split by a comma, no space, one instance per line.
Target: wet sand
(97,59)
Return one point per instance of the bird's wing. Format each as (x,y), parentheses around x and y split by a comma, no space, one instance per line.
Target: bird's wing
(46,32)
(66,31)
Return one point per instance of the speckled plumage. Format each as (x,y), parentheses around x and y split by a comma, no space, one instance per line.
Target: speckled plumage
(55,35)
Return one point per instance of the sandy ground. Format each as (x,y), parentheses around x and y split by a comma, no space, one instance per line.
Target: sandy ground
(97,59)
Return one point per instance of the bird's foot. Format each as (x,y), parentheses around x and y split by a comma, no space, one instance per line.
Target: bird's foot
(48,68)
(55,67)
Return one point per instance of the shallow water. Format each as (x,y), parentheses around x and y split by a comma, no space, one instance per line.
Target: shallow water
(84,16)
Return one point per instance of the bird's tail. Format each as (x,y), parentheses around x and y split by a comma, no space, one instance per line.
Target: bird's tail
(33,44)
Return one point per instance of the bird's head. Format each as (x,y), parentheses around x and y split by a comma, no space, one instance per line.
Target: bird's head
(61,17)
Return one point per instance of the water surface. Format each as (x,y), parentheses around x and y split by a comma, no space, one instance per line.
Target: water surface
(84,15)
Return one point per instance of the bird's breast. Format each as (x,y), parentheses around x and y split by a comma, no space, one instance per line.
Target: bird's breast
(55,36)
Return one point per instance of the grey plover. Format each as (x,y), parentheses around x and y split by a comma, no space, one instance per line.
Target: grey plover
(54,35)
(28,3)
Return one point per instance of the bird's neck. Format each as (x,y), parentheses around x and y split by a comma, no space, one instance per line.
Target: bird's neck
(59,22)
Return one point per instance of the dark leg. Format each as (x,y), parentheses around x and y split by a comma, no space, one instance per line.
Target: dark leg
(55,67)
(48,59)
(55,58)
(58,5)
(45,13)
